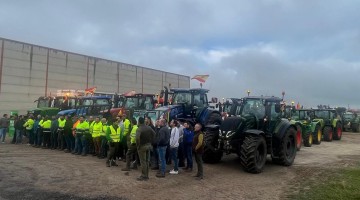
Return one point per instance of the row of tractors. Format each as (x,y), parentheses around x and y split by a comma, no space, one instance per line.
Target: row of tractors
(253,127)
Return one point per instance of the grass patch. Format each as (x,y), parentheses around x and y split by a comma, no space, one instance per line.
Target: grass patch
(341,185)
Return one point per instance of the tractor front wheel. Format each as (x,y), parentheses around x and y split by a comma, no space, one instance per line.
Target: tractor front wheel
(328,133)
(212,153)
(298,137)
(287,149)
(253,153)
(308,140)
(337,132)
(317,135)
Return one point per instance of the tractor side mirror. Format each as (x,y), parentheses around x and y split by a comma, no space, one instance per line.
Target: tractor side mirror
(277,108)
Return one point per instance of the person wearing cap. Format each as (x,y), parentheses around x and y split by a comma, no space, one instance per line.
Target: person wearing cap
(144,138)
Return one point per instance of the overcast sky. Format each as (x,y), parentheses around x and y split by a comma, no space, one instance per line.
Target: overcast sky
(308,48)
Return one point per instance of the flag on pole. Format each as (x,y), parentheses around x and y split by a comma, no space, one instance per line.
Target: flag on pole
(129,93)
(298,106)
(90,90)
(201,78)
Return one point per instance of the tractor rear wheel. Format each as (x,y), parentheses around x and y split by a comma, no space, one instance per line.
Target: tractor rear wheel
(287,148)
(317,135)
(328,133)
(211,152)
(298,137)
(308,139)
(253,153)
(337,132)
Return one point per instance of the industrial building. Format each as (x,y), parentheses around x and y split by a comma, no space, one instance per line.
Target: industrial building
(28,71)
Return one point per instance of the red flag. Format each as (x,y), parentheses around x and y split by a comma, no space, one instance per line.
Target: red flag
(298,106)
(201,78)
(130,93)
(90,90)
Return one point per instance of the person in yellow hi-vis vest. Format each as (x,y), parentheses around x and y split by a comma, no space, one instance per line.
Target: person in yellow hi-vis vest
(46,125)
(82,129)
(103,140)
(90,143)
(29,125)
(113,137)
(132,149)
(61,133)
(96,131)
(125,124)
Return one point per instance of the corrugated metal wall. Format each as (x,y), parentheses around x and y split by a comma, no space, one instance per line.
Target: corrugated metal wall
(28,71)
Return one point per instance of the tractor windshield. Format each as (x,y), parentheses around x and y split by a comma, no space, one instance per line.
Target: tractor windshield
(322,114)
(182,97)
(101,102)
(43,103)
(131,102)
(348,116)
(253,106)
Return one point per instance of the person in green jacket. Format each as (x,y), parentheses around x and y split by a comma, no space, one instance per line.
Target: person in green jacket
(131,143)
(46,126)
(96,131)
(61,133)
(29,125)
(82,129)
(113,137)
(103,140)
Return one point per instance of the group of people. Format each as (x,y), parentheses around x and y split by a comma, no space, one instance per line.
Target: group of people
(137,142)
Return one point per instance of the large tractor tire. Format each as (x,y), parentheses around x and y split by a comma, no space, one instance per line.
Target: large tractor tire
(328,133)
(211,153)
(253,153)
(298,137)
(337,132)
(287,148)
(214,118)
(308,139)
(317,135)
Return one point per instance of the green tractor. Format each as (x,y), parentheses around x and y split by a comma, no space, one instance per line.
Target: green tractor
(330,124)
(351,122)
(308,131)
(258,131)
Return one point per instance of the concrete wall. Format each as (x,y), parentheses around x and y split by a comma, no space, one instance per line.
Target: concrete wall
(28,71)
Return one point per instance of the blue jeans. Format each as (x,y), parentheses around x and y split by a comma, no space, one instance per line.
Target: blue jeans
(188,153)
(174,157)
(78,144)
(3,134)
(19,136)
(162,161)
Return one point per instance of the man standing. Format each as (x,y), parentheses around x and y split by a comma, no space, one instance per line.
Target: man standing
(89,139)
(113,136)
(103,148)
(127,129)
(29,126)
(198,148)
(4,127)
(174,144)
(131,144)
(96,131)
(46,126)
(40,134)
(54,132)
(61,134)
(144,137)
(181,154)
(69,138)
(188,139)
(19,126)
(82,128)
(163,139)
(154,153)
(36,125)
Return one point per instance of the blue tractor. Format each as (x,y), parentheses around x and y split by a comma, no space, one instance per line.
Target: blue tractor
(189,105)
(90,105)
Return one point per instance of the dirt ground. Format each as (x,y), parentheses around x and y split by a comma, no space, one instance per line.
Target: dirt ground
(31,173)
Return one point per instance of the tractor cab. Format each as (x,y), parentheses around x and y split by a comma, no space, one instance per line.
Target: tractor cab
(90,105)
(231,107)
(301,115)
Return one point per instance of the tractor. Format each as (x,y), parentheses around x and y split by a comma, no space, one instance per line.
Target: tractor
(90,105)
(330,124)
(307,130)
(351,122)
(189,105)
(258,131)
(52,105)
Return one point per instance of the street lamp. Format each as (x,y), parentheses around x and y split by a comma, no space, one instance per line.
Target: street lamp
(248,92)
